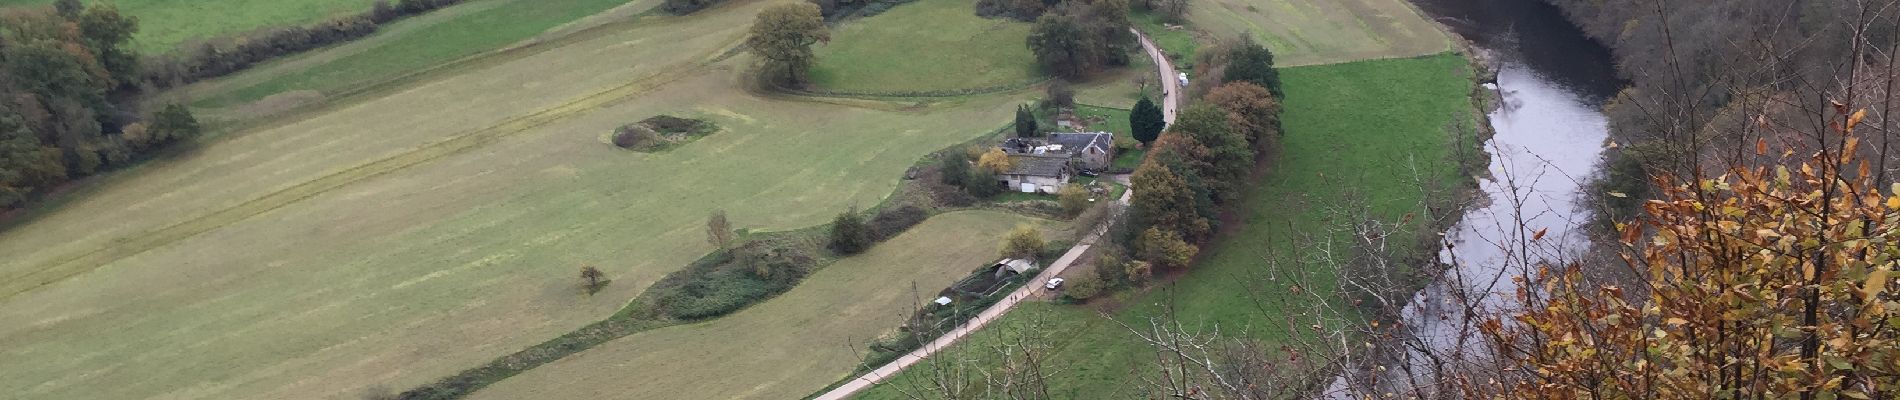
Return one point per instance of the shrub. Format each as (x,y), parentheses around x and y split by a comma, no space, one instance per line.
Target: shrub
(173,123)
(849,234)
(668,124)
(955,169)
(1138,273)
(891,222)
(592,279)
(994,161)
(733,279)
(1074,199)
(1082,288)
(636,136)
(983,184)
(683,7)
(1022,242)
(1111,269)
(1166,249)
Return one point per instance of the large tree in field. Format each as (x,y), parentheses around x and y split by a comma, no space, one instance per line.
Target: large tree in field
(1062,45)
(783,35)
(1146,120)
(1078,37)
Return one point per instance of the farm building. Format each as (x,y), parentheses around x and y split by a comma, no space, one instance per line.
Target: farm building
(1086,150)
(1091,150)
(1036,173)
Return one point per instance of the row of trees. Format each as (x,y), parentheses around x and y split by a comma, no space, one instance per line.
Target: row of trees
(60,69)
(1200,164)
(227,55)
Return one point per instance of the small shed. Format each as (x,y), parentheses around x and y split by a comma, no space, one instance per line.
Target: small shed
(1008,266)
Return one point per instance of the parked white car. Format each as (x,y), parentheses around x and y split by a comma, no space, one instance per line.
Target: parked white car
(1053,284)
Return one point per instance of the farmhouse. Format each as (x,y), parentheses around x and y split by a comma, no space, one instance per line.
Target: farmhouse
(1033,173)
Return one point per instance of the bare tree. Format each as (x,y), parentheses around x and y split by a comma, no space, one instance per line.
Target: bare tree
(719,230)
(592,279)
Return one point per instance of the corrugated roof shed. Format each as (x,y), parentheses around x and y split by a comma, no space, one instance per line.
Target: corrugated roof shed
(1037,165)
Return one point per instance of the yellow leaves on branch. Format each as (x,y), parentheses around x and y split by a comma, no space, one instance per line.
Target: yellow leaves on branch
(994,160)
(1732,267)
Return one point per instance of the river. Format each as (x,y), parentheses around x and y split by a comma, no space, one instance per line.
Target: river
(1550,133)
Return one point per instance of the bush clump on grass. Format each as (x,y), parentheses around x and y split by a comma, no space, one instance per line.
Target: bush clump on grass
(733,279)
(661,132)
(888,223)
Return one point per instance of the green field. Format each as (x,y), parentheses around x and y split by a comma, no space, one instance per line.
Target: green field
(926,45)
(399,239)
(164,24)
(408,46)
(1308,32)
(786,347)
(1114,120)
(1331,146)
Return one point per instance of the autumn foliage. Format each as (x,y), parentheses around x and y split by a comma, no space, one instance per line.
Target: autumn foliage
(1766,282)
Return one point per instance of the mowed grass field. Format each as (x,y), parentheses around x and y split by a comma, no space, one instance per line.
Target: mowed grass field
(926,45)
(1333,145)
(164,24)
(405,47)
(790,345)
(403,238)
(1308,32)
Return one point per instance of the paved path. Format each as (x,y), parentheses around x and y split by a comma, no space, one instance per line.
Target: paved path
(1030,290)
(1171,89)
(1170,83)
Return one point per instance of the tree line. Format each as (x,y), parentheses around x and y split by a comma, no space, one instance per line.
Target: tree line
(1200,164)
(66,83)
(227,55)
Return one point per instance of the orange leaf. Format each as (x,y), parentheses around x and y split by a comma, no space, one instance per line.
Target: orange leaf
(1539,234)
(1761,147)
(1855,119)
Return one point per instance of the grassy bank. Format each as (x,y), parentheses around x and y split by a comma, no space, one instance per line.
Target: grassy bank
(1354,126)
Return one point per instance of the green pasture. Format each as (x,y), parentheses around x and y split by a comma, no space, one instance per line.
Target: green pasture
(787,346)
(1335,150)
(1308,32)
(924,46)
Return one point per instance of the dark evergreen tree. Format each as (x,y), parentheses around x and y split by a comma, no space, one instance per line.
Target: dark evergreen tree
(1026,122)
(1252,62)
(1147,121)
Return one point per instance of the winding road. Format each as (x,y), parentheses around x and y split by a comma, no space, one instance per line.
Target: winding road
(1170,87)
(1033,289)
